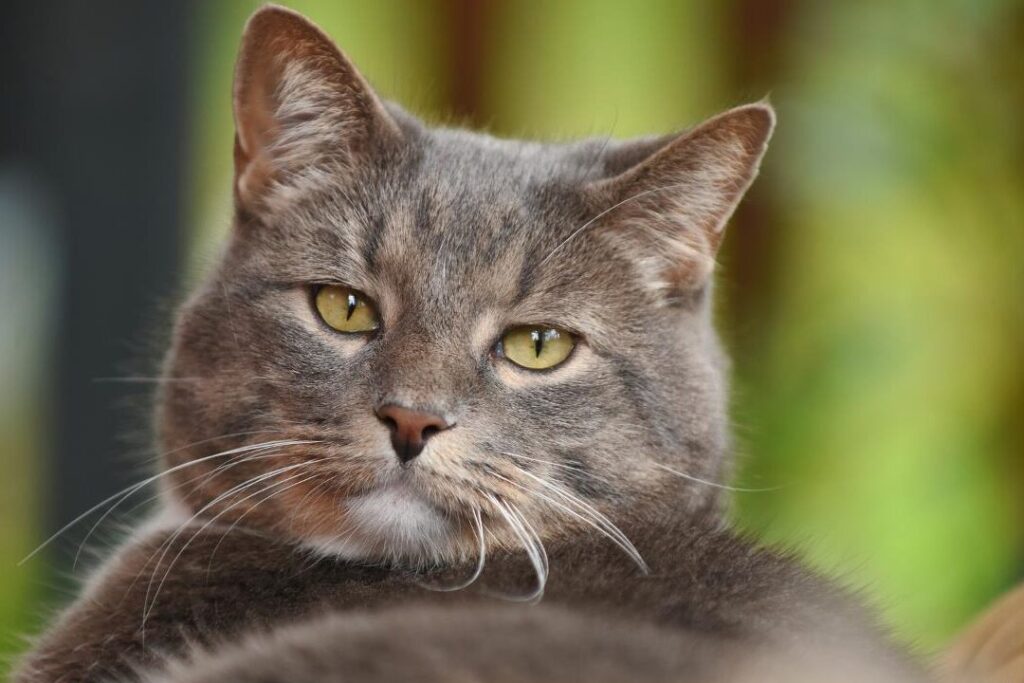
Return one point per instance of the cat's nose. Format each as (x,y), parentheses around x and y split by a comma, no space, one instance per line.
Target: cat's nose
(410,429)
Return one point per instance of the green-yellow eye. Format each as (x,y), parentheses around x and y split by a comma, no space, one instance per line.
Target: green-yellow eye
(537,347)
(346,310)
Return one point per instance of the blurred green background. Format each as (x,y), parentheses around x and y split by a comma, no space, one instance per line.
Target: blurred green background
(871,289)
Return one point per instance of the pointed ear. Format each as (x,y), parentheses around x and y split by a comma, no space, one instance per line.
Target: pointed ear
(670,208)
(298,104)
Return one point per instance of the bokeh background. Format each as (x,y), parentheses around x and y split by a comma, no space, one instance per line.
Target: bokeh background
(871,289)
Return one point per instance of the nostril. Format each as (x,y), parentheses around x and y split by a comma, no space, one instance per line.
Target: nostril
(429,431)
(389,422)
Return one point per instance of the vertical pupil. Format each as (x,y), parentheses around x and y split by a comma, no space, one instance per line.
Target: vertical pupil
(538,342)
(352,303)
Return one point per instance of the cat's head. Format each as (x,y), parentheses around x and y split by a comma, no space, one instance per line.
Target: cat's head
(420,337)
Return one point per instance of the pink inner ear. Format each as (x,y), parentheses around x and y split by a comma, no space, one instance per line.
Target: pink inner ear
(256,76)
(252,175)
(256,129)
(254,111)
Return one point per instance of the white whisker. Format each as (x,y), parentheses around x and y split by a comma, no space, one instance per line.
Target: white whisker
(532,533)
(585,513)
(560,465)
(211,439)
(537,555)
(698,480)
(604,213)
(238,488)
(147,380)
(233,461)
(128,491)
(481,560)
(156,594)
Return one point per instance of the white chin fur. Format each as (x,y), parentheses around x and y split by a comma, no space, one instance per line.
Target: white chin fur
(392,524)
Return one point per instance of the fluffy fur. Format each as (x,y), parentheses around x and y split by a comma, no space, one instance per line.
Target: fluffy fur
(708,587)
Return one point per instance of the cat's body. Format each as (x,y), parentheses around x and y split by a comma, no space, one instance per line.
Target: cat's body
(713,603)
(426,351)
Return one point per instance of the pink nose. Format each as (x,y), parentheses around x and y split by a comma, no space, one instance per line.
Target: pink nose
(410,429)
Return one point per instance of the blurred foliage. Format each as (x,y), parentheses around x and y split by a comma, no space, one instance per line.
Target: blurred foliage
(872,288)
(24,266)
(886,388)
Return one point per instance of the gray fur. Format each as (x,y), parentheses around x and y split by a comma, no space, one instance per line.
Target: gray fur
(733,597)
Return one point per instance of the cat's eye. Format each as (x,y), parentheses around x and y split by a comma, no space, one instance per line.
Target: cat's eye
(345,309)
(536,347)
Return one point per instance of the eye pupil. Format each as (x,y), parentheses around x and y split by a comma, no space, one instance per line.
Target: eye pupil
(536,347)
(345,309)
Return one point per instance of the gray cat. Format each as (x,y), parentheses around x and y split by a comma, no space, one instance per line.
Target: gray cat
(437,373)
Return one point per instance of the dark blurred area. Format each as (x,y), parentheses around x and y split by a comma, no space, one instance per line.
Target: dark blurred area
(91,176)
(872,288)
(97,135)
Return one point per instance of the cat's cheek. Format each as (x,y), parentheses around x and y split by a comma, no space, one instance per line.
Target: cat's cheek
(583,361)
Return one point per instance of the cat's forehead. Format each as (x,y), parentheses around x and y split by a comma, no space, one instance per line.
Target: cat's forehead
(464,224)
(481,160)
(467,205)
(459,221)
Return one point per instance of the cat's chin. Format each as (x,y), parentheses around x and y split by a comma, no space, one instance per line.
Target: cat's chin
(393,524)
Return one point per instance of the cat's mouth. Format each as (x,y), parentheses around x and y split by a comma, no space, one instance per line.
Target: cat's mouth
(433,509)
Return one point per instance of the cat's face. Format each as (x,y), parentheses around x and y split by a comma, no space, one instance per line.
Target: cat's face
(439,337)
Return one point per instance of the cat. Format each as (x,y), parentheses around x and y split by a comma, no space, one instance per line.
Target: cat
(436,372)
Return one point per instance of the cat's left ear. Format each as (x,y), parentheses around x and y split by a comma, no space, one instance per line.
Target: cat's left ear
(299,105)
(670,209)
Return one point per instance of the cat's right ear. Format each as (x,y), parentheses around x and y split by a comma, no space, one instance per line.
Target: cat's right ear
(669,210)
(299,104)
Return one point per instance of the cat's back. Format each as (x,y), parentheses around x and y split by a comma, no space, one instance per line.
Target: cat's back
(503,644)
(168,592)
